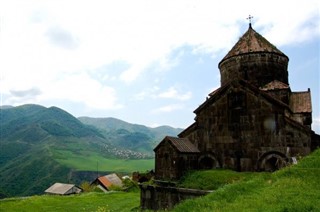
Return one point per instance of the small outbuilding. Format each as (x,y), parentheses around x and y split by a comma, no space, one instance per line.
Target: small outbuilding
(174,156)
(105,182)
(63,189)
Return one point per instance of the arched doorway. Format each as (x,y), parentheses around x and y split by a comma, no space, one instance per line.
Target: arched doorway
(208,161)
(272,161)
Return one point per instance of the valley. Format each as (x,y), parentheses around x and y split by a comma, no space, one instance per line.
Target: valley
(42,145)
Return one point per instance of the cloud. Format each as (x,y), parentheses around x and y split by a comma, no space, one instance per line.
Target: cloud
(289,23)
(172,93)
(61,38)
(61,48)
(32,92)
(316,124)
(132,73)
(147,93)
(142,33)
(20,96)
(155,93)
(168,108)
(81,88)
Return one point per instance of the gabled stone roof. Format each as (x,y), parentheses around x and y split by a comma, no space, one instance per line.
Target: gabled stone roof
(238,83)
(251,42)
(191,128)
(182,145)
(274,85)
(300,102)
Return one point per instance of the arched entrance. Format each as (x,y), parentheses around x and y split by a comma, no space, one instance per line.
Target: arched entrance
(272,161)
(208,161)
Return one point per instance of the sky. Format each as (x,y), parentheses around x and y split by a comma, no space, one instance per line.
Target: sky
(150,62)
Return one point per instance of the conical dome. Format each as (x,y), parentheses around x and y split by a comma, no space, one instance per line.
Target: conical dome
(255,59)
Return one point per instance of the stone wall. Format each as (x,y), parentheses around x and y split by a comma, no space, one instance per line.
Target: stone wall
(259,69)
(239,125)
(156,197)
(166,165)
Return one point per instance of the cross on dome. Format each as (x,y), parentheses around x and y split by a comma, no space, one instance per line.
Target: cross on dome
(250,18)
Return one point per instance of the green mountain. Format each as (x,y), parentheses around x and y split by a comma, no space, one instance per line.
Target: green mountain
(134,136)
(40,146)
(30,137)
(33,123)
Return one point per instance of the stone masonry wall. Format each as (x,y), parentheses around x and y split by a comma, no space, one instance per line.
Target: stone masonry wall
(155,197)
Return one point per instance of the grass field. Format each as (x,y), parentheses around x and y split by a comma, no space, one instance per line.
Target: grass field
(100,202)
(215,179)
(91,161)
(295,188)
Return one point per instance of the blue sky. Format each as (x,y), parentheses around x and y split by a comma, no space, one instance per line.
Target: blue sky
(145,62)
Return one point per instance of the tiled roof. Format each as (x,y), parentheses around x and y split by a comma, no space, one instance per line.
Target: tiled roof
(182,144)
(110,179)
(114,179)
(274,85)
(300,102)
(104,181)
(251,41)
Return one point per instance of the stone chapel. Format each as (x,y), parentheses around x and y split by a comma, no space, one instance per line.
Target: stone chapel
(252,122)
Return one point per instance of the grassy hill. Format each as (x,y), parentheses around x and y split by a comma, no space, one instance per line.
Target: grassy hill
(42,145)
(134,136)
(294,188)
(100,202)
(34,122)
(30,135)
(31,173)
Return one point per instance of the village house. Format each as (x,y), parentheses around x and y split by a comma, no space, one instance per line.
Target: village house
(252,122)
(106,182)
(63,189)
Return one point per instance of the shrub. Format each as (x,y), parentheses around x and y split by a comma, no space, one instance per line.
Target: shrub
(130,185)
(87,187)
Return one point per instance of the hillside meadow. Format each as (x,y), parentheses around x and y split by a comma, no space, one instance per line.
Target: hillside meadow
(295,188)
(101,202)
(93,161)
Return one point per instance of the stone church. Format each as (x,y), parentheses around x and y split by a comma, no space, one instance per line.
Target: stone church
(252,122)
